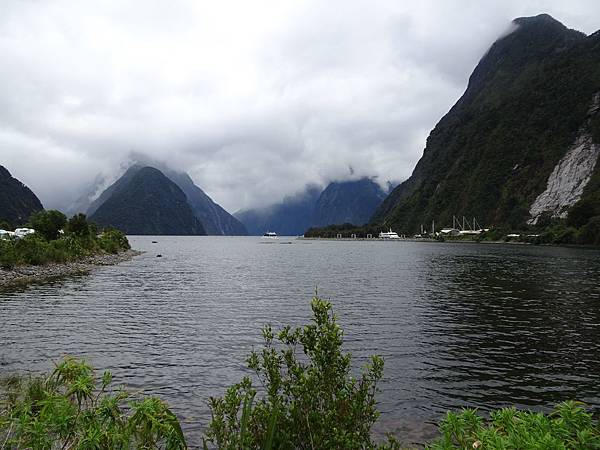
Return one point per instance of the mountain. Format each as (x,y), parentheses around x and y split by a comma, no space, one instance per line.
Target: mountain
(347,202)
(90,193)
(340,202)
(17,201)
(214,219)
(291,217)
(521,143)
(144,201)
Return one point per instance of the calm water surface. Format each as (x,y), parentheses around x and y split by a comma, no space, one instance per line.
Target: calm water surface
(457,324)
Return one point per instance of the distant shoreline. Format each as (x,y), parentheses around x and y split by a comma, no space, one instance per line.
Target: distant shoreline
(452,241)
(24,275)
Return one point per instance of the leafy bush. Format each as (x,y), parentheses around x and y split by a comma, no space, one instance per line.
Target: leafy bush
(48,223)
(79,226)
(590,232)
(78,241)
(32,249)
(8,256)
(71,408)
(113,241)
(5,225)
(309,400)
(306,400)
(570,426)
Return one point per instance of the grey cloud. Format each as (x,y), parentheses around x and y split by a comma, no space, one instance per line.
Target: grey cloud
(254,99)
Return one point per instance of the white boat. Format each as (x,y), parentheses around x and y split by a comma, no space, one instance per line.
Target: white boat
(270,235)
(389,235)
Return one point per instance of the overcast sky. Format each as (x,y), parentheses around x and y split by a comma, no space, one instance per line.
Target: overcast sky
(253,98)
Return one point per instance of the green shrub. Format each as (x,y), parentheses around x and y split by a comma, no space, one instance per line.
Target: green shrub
(113,241)
(8,256)
(78,241)
(6,225)
(570,426)
(80,227)
(590,232)
(32,249)
(306,400)
(71,408)
(48,223)
(309,400)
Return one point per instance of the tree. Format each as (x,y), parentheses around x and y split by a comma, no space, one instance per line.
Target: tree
(5,225)
(48,223)
(79,226)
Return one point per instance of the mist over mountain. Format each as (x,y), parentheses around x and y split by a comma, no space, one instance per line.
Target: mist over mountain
(521,141)
(17,201)
(290,217)
(215,220)
(340,202)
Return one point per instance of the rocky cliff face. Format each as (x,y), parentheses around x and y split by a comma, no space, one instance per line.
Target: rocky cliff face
(17,201)
(493,155)
(571,175)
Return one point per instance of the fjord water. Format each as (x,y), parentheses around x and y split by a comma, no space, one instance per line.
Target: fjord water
(458,324)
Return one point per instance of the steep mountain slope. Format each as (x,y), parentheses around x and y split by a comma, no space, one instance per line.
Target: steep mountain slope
(492,155)
(113,188)
(145,201)
(347,202)
(215,220)
(291,217)
(17,201)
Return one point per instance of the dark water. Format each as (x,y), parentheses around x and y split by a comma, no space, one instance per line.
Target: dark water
(458,324)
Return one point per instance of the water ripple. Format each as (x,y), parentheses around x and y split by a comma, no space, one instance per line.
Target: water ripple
(458,325)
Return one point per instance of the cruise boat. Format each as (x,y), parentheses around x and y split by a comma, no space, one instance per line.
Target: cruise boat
(389,235)
(270,235)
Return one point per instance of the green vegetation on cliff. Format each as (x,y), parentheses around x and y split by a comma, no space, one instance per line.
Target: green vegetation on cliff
(17,201)
(491,155)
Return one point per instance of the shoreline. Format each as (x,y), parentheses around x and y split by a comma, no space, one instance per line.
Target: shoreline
(446,241)
(24,275)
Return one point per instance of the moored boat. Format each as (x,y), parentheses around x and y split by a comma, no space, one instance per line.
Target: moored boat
(389,235)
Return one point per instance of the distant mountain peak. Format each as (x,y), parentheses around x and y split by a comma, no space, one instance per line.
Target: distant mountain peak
(146,201)
(214,219)
(540,19)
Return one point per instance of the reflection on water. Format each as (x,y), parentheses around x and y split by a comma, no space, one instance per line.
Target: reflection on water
(458,324)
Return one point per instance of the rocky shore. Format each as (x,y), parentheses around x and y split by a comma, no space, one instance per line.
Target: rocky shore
(30,274)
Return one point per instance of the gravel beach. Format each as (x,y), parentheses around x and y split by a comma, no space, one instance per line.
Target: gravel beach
(29,274)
